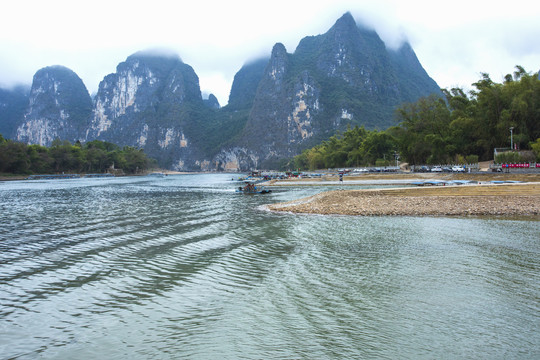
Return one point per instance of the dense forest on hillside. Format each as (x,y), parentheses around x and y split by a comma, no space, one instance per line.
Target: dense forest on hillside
(93,157)
(462,127)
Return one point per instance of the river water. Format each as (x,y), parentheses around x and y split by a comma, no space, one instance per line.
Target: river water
(183,267)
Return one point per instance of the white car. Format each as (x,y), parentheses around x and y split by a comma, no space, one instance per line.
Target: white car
(458,169)
(436,169)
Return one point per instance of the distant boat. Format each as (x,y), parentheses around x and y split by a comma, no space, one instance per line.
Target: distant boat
(157,174)
(251,189)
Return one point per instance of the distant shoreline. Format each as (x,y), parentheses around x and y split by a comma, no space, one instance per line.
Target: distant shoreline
(165,172)
(13,177)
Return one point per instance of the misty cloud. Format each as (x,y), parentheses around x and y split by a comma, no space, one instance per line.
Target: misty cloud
(455,41)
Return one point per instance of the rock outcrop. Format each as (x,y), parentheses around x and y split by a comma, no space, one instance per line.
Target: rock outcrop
(345,77)
(13,104)
(59,107)
(278,106)
(145,104)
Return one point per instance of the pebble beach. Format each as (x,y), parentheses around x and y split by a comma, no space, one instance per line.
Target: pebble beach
(459,200)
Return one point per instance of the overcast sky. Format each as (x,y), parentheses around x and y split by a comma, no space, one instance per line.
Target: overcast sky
(454,40)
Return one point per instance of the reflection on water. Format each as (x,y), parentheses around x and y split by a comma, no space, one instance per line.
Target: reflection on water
(183,267)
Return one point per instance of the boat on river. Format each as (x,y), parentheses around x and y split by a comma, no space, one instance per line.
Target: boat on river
(251,189)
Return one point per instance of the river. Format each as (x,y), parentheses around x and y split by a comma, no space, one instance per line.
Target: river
(183,267)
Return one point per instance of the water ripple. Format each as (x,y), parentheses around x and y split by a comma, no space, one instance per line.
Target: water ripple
(185,267)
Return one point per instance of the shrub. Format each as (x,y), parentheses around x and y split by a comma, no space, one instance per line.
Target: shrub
(509,157)
(471,159)
(382,162)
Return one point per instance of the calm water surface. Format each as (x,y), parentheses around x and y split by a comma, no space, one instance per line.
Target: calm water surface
(182,267)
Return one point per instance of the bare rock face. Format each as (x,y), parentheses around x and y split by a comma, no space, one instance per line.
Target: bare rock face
(143,104)
(59,107)
(278,106)
(212,102)
(13,103)
(345,77)
(141,82)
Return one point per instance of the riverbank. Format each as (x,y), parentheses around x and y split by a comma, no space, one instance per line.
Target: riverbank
(504,199)
(11,177)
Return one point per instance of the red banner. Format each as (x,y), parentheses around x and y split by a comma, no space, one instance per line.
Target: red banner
(520,166)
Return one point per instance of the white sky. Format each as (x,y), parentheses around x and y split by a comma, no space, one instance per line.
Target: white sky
(454,40)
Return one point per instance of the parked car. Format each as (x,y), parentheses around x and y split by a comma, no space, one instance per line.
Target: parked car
(458,169)
(436,169)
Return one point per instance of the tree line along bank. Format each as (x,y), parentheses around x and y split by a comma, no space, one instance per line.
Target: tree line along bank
(63,157)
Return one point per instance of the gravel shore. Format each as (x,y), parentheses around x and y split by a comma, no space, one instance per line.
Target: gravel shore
(514,199)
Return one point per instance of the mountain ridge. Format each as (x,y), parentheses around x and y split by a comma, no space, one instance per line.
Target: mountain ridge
(59,106)
(278,105)
(346,76)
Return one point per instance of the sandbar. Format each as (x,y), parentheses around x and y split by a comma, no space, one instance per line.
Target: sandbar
(458,200)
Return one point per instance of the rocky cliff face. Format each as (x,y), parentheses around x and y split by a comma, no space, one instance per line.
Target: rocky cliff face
(282,112)
(245,84)
(59,107)
(212,102)
(344,77)
(13,103)
(278,106)
(145,104)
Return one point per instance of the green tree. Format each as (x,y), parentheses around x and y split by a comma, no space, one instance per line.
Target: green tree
(96,159)
(355,147)
(513,104)
(13,158)
(435,131)
(425,134)
(62,156)
(95,156)
(136,160)
(535,147)
(377,145)
(40,161)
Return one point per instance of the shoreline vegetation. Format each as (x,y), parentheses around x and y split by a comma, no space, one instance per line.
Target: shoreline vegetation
(516,199)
